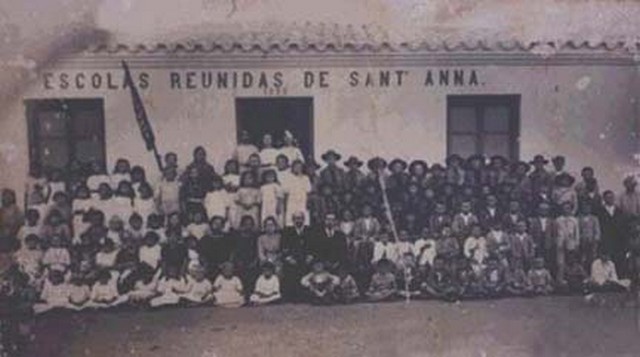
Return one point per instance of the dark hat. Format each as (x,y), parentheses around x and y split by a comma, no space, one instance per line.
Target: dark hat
(329,154)
(398,162)
(453,157)
(558,158)
(376,163)
(353,161)
(562,177)
(415,163)
(436,167)
(518,164)
(539,159)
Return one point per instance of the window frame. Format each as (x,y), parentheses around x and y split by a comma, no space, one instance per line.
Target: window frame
(35,138)
(480,103)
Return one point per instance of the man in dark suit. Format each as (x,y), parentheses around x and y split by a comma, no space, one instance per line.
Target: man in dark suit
(613,226)
(490,212)
(328,244)
(541,228)
(294,242)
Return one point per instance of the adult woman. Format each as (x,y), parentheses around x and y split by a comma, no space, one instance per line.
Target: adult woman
(269,243)
(268,153)
(289,149)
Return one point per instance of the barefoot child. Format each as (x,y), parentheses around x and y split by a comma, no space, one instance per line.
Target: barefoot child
(227,288)
(267,286)
(320,284)
(383,283)
(540,278)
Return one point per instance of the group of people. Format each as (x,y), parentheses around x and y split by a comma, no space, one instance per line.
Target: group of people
(274,226)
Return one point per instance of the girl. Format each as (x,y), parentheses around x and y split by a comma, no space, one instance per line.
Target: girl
(31,226)
(81,204)
(297,190)
(138,177)
(104,292)
(198,227)
(269,244)
(144,286)
(272,197)
(103,201)
(123,200)
(56,257)
(79,292)
(29,257)
(121,172)
(248,198)
(228,288)
(200,289)
(267,288)
(231,173)
(135,231)
(106,257)
(174,226)
(218,200)
(320,284)
(150,252)
(55,225)
(55,293)
(289,148)
(268,153)
(97,177)
(143,203)
(170,287)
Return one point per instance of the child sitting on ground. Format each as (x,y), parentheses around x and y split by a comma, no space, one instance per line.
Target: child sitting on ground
(29,257)
(144,286)
(198,227)
(79,292)
(540,278)
(470,281)
(227,288)
(517,280)
(57,256)
(604,276)
(267,288)
(104,292)
(200,289)
(151,252)
(574,273)
(320,284)
(170,287)
(383,283)
(494,278)
(347,290)
(54,294)
(440,283)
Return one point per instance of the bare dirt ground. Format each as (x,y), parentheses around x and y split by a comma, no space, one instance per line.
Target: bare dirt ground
(550,326)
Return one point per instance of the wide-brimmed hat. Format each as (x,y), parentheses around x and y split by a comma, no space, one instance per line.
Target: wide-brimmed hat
(376,163)
(564,177)
(353,161)
(415,163)
(398,162)
(331,154)
(539,159)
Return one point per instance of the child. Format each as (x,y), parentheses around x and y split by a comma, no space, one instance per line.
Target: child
(404,246)
(144,203)
(121,172)
(540,278)
(231,175)
(56,256)
(475,248)
(79,292)
(97,177)
(574,274)
(31,226)
(106,257)
(144,286)
(440,283)
(448,246)
(123,199)
(498,243)
(82,203)
(193,257)
(522,246)
(347,290)
(198,227)
(217,202)
(567,238)
(135,231)
(104,201)
(589,226)
(494,279)
(150,252)
(168,192)
(155,224)
(425,248)
(470,282)
(29,258)
(248,198)
(320,284)
(116,229)
(517,280)
(464,220)
(267,288)
(104,292)
(227,288)
(604,276)
(171,287)
(55,293)
(272,197)
(199,288)
(383,283)
(384,249)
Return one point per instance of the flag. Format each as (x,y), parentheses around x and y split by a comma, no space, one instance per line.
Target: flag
(138,109)
(141,116)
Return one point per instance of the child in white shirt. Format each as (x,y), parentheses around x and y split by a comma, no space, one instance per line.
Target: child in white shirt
(198,227)
(604,275)
(384,249)
(29,257)
(106,257)
(81,205)
(79,292)
(31,226)
(170,288)
(151,252)
(56,257)
(168,192)
(272,197)
(104,292)
(200,289)
(218,200)
(193,258)
(228,291)
(145,285)
(144,203)
(475,248)
(425,249)
(54,294)
(267,288)
(136,230)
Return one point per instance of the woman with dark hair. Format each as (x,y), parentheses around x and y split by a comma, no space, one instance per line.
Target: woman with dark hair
(205,171)
(269,244)
(248,198)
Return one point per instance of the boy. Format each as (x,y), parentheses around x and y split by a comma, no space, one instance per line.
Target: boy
(168,192)
(425,249)
(384,249)
(494,278)
(440,283)
(347,290)
(604,276)
(383,283)
(517,280)
(448,246)
(320,284)
(475,248)
(589,227)
(464,220)
(522,246)
(567,238)
(267,288)
(499,244)
(575,274)
(540,278)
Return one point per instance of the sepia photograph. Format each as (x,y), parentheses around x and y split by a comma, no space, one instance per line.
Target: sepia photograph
(221,178)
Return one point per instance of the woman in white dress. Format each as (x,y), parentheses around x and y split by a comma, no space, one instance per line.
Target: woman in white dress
(289,149)
(272,197)
(296,188)
(268,153)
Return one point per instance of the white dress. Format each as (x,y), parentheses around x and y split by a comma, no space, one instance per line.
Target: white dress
(94,181)
(54,296)
(271,193)
(268,156)
(144,207)
(170,291)
(199,291)
(150,255)
(269,287)
(216,203)
(297,189)
(292,153)
(228,292)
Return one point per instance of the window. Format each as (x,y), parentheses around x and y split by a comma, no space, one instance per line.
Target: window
(65,134)
(483,124)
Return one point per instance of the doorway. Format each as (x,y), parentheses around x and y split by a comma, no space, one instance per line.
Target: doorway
(260,116)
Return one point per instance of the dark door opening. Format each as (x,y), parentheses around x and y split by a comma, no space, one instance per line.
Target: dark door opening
(260,116)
